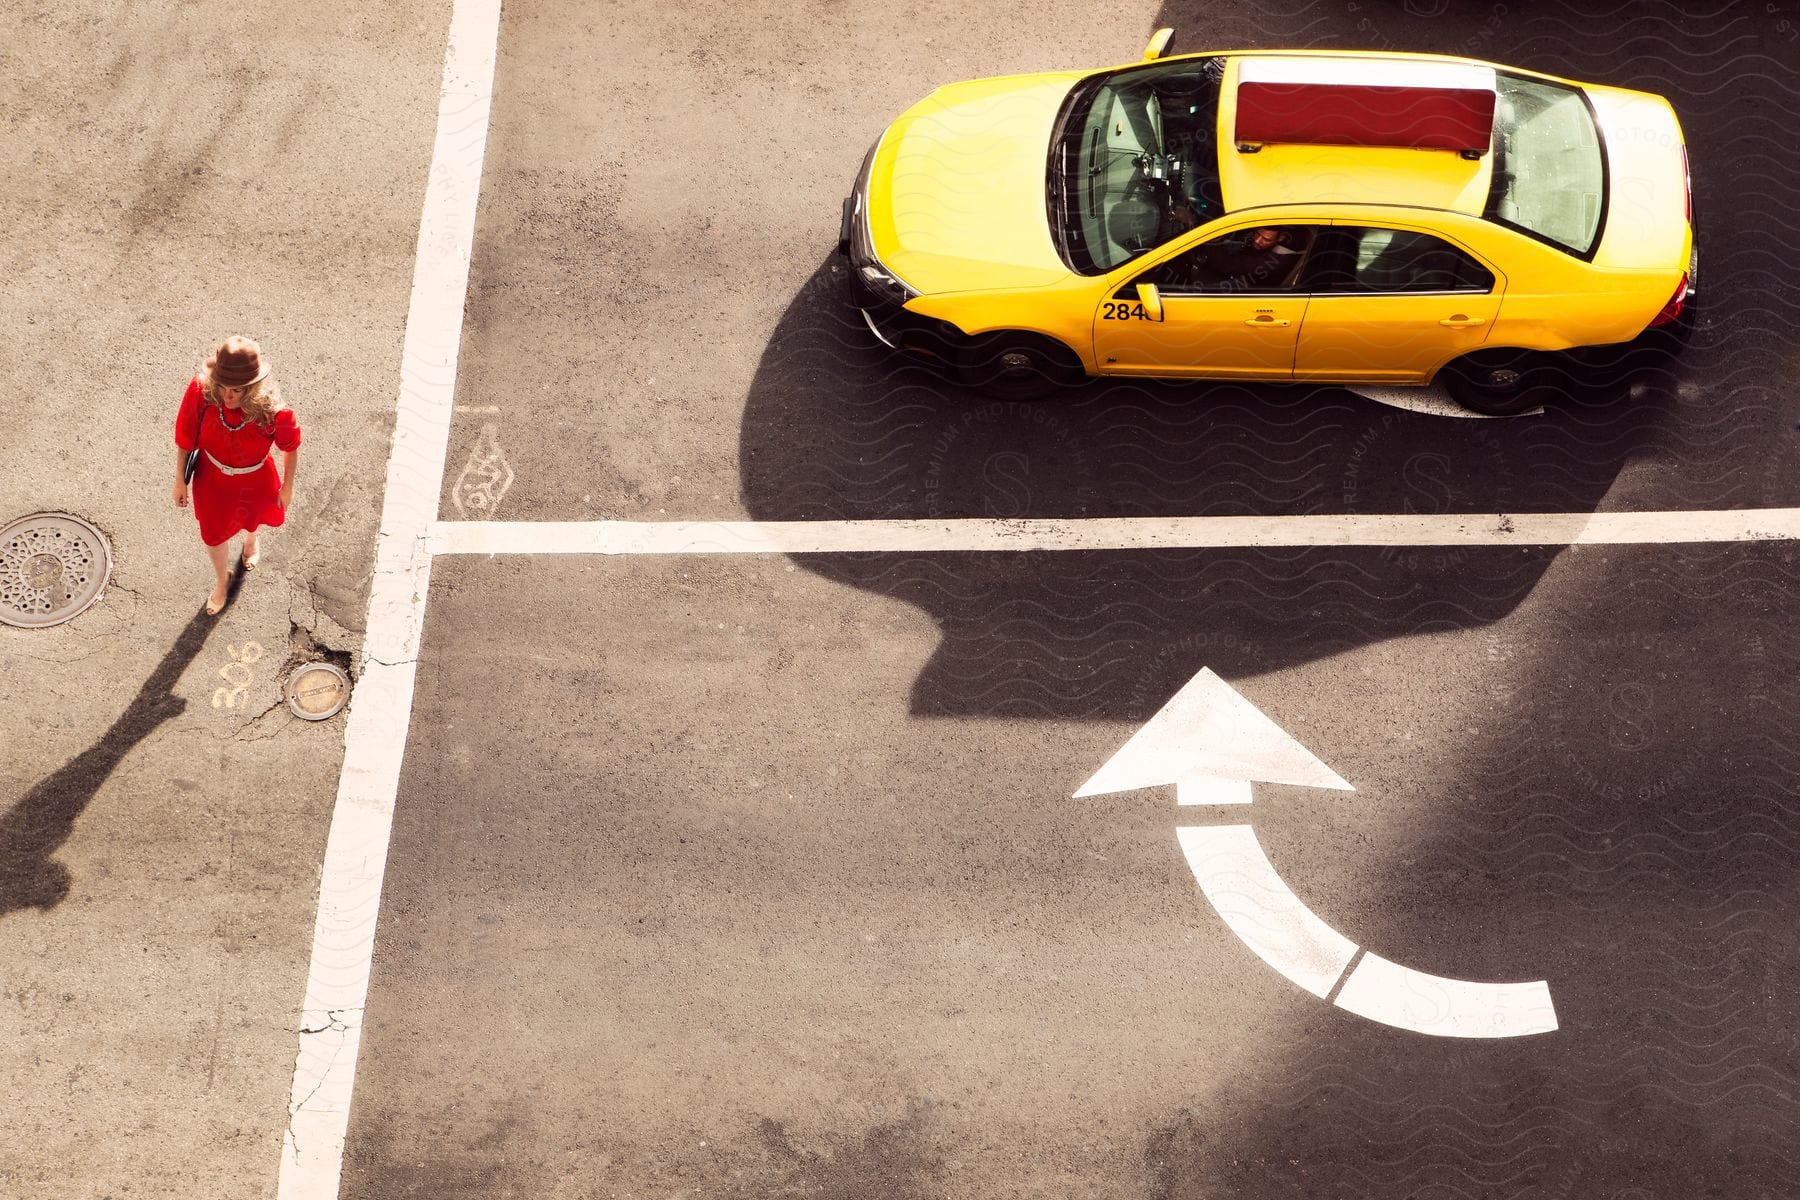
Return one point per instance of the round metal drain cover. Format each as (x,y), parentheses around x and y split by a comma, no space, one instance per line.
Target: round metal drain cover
(52,566)
(317,691)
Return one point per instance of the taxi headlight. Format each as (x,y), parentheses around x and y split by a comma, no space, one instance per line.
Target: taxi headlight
(883,282)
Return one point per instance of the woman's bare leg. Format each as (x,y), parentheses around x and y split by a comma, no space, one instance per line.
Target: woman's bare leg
(221,565)
(251,553)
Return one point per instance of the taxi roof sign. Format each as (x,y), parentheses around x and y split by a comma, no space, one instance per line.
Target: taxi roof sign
(1365,102)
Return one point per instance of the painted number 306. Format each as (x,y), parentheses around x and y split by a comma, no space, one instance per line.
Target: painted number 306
(1123,310)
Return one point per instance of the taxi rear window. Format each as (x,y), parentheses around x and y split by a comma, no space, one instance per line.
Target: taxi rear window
(1549,164)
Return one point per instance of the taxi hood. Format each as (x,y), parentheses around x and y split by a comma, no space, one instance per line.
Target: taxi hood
(956,192)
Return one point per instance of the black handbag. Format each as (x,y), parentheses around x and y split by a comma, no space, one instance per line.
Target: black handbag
(193,459)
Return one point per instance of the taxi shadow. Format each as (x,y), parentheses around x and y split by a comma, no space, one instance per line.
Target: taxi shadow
(1635,813)
(1623,828)
(837,427)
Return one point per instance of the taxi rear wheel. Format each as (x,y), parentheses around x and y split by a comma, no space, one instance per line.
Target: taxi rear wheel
(1501,383)
(1017,366)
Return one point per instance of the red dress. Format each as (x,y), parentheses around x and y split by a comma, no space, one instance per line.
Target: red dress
(224,503)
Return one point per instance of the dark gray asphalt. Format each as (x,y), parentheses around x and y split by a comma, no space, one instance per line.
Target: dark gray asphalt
(701,895)
(760,877)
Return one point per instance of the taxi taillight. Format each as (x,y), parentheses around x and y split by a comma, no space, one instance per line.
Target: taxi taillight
(1673,308)
(1687,183)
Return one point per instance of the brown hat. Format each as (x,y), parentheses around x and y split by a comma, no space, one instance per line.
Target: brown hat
(236,363)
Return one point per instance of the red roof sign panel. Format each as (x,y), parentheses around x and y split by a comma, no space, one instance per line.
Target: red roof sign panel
(1361,102)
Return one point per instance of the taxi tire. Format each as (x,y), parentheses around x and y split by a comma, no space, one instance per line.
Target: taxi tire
(1502,383)
(1017,366)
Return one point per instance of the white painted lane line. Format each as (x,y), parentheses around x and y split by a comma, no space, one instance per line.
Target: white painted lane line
(1395,995)
(375,736)
(1113,533)
(1237,877)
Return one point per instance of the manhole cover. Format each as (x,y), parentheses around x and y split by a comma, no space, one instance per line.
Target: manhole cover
(52,566)
(317,691)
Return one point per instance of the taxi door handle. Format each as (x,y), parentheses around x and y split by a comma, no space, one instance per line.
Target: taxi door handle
(1266,320)
(1460,322)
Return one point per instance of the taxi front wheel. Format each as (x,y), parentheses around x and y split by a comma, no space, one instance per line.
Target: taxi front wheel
(1501,383)
(1017,366)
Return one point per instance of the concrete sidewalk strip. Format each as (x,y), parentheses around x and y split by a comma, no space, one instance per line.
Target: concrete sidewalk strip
(1113,533)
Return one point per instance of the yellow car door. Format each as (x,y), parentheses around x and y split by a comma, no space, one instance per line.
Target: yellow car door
(1392,305)
(1230,308)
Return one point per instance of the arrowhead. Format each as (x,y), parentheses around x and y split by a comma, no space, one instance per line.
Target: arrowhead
(1207,730)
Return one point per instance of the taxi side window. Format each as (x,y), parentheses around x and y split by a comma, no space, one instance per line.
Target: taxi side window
(1245,262)
(1394,260)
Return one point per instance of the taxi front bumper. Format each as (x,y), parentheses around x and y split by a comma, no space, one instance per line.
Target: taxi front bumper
(893,325)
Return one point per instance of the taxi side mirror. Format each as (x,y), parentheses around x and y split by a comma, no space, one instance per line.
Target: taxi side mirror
(1151,299)
(1159,42)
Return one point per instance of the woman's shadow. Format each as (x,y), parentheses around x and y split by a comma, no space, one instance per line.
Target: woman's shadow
(44,817)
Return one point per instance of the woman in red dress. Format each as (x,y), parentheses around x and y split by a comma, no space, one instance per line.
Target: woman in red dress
(233,411)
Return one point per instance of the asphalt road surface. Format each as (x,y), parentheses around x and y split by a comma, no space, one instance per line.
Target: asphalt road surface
(760,911)
(751,876)
(762,877)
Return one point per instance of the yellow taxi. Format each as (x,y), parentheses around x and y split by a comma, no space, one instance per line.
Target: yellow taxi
(1306,215)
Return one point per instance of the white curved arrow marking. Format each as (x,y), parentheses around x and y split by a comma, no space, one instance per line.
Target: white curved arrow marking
(1211,744)
(1396,995)
(1234,873)
(1257,904)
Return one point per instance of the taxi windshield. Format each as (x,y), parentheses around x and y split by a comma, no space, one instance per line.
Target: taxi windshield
(1549,169)
(1135,161)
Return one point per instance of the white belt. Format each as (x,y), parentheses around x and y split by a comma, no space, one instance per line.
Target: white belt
(235,470)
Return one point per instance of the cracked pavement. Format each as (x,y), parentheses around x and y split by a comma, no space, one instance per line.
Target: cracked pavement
(161,823)
(763,875)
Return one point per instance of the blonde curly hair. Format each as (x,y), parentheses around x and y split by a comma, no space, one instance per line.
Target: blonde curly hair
(262,396)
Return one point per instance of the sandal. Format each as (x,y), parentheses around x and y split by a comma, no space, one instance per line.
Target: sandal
(213,610)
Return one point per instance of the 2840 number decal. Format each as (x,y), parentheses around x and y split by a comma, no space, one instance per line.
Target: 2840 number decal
(1123,310)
